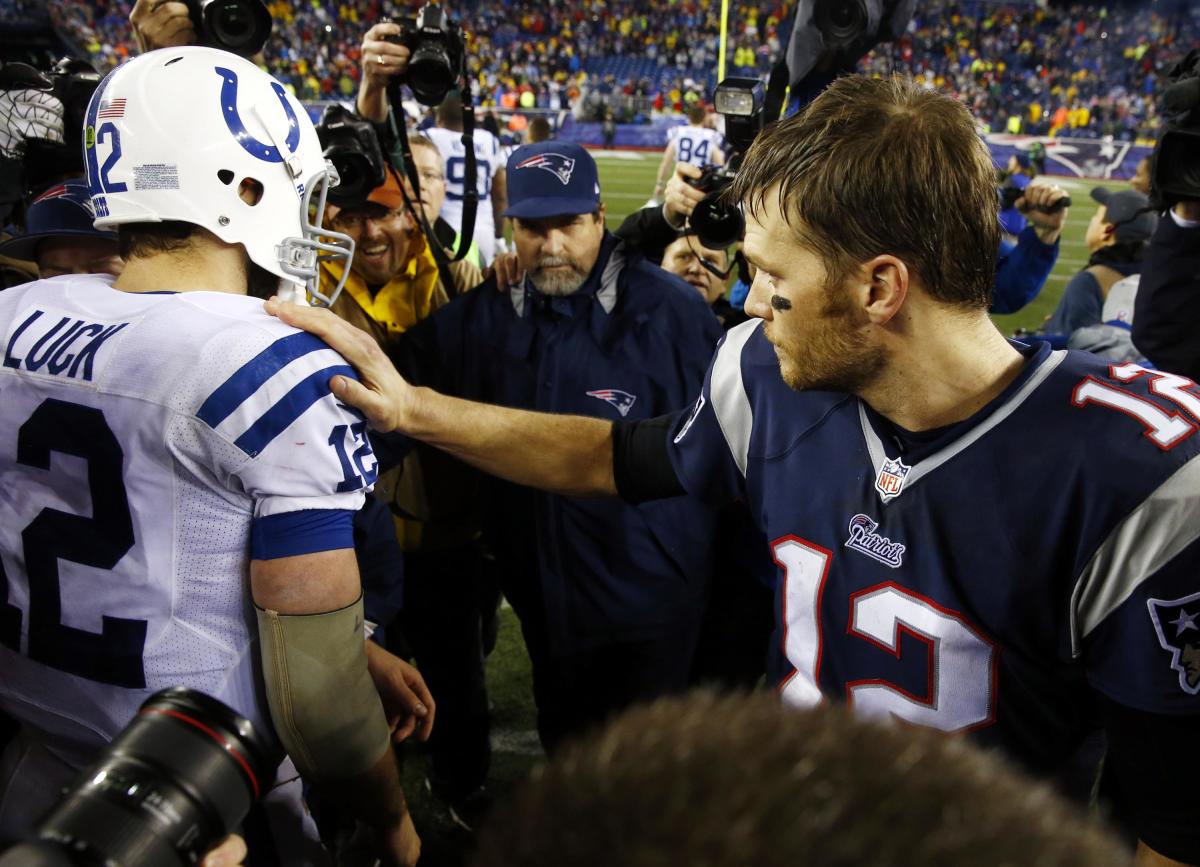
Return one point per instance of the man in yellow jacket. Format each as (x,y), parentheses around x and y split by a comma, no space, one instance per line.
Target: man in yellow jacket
(393,280)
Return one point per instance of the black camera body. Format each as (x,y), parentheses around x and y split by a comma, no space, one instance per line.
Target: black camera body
(72,82)
(716,221)
(239,26)
(1010,195)
(833,34)
(349,142)
(175,782)
(437,56)
(1175,165)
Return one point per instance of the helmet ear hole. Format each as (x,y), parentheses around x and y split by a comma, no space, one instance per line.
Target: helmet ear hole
(250,191)
(225,176)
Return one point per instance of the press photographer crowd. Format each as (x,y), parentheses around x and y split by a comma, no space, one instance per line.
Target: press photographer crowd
(329,336)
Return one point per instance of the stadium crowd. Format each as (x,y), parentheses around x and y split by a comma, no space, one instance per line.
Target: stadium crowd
(1077,70)
(523,54)
(1065,70)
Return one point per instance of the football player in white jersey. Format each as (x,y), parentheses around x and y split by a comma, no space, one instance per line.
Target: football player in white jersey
(491,181)
(694,144)
(176,483)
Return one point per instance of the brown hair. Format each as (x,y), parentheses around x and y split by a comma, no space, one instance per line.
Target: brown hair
(697,113)
(734,780)
(539,130)
(877,166)
(148,239)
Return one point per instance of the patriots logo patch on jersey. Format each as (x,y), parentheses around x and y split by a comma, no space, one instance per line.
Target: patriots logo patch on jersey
(556,164)
(865,540)
(1177,625)
(622,400)
(890,480)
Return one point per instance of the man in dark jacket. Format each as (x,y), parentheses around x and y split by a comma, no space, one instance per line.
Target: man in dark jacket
(1168,300)
(609,595)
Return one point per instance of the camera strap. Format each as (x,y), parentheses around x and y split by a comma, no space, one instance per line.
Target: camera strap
(470,180)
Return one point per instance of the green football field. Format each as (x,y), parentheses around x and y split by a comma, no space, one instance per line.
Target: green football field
(627,180)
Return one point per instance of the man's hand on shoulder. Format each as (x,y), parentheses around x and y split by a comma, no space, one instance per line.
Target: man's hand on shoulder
(382,394)
(507,270)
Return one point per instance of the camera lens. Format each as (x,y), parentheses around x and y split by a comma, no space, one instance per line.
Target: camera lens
(842,21)
(177,780)
(357,177)
(429,74)
(717,224)
(240,26)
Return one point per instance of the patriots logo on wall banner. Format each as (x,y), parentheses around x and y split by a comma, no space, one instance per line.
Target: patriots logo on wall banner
(556,164)
(890,480)
(622,400)
(1177,625)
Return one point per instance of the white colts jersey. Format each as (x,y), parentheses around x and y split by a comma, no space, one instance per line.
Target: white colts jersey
(142,437)
(696,145)
(489,159)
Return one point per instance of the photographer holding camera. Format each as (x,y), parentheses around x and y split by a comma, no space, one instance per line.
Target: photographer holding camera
(239,26)
(385,59)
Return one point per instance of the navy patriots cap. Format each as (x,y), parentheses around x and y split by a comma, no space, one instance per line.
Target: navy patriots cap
(551,179)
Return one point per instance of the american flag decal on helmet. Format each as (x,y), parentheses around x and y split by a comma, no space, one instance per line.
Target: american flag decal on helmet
(622,400)
(556,164)
(111,108)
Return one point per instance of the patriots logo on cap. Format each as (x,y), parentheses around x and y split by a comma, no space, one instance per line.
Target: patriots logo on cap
(75,193)
(622,400)
(556,164)
(53,193)
(1177,625)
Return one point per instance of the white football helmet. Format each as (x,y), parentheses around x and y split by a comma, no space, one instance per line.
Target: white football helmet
(172,134)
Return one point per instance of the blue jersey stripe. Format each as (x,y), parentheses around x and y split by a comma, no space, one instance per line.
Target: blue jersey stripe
(289,408)
(250,376)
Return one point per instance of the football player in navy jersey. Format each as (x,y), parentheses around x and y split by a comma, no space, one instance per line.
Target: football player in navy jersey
(972,535)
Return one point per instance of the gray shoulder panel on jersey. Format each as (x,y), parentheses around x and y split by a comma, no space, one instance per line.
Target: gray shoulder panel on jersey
(1146,540)
(729,401)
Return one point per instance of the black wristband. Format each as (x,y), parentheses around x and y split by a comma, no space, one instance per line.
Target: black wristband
(642,467)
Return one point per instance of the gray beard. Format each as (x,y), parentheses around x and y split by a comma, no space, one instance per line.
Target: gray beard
(564,283)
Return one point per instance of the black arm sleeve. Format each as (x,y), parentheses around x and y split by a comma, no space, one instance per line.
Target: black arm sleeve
(641,466)
(1167,307)
(1154,765)
(647,232)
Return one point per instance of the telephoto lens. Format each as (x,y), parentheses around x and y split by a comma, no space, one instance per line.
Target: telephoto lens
(175,782)
(239,26)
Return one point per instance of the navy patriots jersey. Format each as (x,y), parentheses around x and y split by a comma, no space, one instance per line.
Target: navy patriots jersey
(993,578)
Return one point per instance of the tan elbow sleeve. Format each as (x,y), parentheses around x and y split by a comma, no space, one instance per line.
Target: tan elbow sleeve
(323,704)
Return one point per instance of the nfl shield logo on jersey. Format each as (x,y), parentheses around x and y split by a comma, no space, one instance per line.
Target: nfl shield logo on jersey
(890,480)
(1177,625)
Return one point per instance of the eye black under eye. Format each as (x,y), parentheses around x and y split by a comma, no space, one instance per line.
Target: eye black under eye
(778,302)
